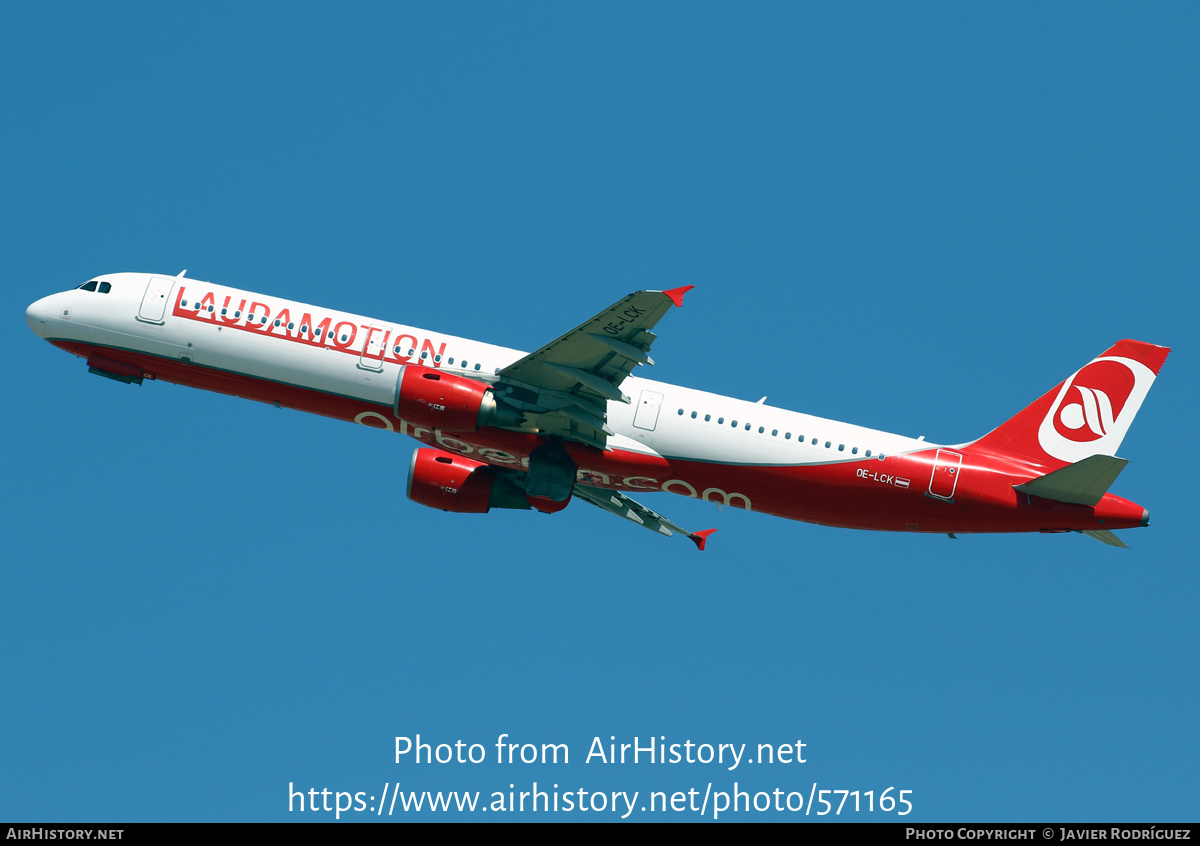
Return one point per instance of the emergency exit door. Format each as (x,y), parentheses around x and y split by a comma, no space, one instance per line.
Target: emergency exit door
(646,416)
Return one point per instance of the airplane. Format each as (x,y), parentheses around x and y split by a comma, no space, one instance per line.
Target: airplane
(500,428)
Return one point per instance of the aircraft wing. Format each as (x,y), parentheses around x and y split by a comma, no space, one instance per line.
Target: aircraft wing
(564,387)
(617,503)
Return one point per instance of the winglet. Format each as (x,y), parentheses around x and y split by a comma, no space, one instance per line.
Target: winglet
(698,538)
(676,295)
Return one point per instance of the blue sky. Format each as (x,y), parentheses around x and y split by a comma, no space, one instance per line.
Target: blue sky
(914,218)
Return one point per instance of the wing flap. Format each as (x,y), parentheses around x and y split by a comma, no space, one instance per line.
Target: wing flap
(621,348)
(585,418)
(599,384)
(617,503)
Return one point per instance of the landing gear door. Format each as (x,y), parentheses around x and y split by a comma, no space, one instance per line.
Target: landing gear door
(646,416)
(154,303)
(946,467)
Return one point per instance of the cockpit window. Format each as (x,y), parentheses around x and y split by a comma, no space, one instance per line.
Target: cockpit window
(88,286)
(105,287)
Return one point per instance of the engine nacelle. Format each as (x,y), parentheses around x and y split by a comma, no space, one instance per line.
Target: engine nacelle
(440,400)
(450,482)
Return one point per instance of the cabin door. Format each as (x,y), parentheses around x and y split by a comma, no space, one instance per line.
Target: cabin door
(946,469)
(154,302)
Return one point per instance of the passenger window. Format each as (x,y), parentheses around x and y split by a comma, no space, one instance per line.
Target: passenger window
(681,412)
(733,423)
(774,433)
(868,453)
(707,417)
(721,421)
(693,415)
(788,436)
(841,447)
(828,445)
(747,427)
(854,451)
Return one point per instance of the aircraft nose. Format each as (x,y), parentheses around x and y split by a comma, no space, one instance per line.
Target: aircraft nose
(36,316)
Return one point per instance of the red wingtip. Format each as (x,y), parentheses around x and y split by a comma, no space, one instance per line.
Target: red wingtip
(698,538)
(676,295)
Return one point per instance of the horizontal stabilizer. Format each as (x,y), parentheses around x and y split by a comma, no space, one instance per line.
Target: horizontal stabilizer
(1083,483)
(1105,536)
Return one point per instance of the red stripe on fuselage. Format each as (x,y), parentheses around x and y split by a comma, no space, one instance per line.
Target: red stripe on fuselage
(892,494)
(617,469)
(871,494)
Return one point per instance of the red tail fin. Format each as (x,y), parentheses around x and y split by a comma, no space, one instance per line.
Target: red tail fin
(1088,414)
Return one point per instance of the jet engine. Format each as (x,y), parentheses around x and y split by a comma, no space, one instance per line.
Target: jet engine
(450,482)
(430,397)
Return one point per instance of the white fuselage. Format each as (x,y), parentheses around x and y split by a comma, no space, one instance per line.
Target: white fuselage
(268,338)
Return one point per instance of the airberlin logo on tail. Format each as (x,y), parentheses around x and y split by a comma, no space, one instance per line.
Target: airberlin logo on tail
(1094,408)
(1094,401)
